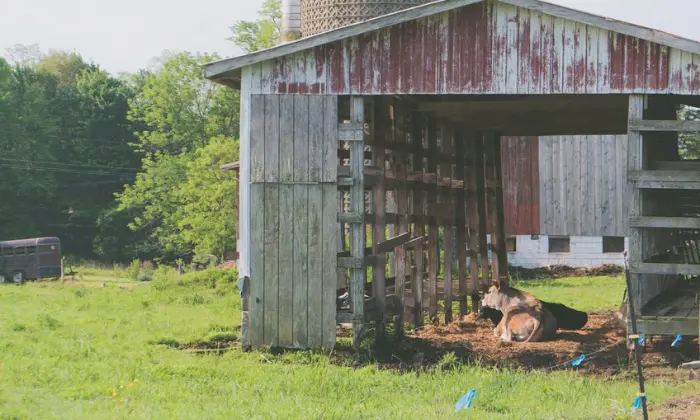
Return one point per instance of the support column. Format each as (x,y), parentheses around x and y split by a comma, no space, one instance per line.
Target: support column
(357,230)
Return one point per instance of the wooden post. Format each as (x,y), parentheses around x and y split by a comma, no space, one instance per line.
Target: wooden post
(417,137)
(63,265)
(402,207)
(635,163)
(357,230)
(379,232)
(473,216)
(446,174)
(459,212)
(433,252)
(501,257)
(481,206)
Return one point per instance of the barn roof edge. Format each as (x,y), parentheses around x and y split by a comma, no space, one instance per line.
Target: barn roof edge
(228,71)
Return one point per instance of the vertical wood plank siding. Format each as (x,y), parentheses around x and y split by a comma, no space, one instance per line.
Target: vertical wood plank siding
(583,185)
(293,211)
(521,185)
(484,48)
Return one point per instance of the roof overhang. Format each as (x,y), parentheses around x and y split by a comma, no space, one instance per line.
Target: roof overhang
(228,71)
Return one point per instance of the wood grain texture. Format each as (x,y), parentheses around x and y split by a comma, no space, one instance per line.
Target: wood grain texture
(301,264)
(271,266)
(315,265)
(329,246)
(286,267)
(257,138)
(257,264)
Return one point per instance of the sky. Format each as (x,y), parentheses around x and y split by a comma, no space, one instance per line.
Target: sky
(124,36)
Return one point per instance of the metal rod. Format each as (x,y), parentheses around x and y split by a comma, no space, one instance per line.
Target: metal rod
(637,353)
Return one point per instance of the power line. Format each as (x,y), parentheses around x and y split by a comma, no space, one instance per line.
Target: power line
(72,165)
(62,170)
(44,135)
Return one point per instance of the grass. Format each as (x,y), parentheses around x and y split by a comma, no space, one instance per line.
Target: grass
(70,352)
(589,294)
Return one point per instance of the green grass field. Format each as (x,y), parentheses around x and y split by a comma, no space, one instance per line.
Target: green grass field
(122,351)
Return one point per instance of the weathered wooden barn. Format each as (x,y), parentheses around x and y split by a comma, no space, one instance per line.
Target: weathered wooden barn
(418,102)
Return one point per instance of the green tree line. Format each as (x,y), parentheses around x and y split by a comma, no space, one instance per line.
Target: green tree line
(122,166)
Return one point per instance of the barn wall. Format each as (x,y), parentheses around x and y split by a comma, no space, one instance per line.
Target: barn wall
(583,185)
(521,186)
(293,211)
(485,48)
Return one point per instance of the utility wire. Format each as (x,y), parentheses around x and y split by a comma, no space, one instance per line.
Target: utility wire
(54,136)
(62,170)
(72,165)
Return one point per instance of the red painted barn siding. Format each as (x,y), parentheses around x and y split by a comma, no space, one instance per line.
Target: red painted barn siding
(486,48)
(521,184)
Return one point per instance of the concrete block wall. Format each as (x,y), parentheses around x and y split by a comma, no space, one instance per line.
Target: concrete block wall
(585,251)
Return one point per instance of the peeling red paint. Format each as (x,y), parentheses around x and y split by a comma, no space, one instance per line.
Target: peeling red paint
(521,185)
(486,48)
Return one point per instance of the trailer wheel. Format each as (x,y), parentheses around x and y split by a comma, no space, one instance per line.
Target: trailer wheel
(18,277)
(3,278)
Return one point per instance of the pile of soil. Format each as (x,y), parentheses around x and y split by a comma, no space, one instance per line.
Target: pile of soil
(557,271)
(227,265)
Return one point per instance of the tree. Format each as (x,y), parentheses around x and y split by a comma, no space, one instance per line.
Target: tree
(262,33)
(180,112)
(24,55)
(689,142)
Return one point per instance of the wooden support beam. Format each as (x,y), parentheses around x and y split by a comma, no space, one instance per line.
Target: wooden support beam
(379,230)
(664,176)
(665,269)
(399,164)
(661,125)
(665,222)
(446,137)
(351,132)
(391,243)
(473,222)
(635,163)
(460,205)
(418,140)
(501,252)
(481,207)
(433,251)
(357,231)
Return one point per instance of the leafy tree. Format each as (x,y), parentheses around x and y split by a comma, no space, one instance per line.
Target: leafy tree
(262,33)
(181,112)
(689,142)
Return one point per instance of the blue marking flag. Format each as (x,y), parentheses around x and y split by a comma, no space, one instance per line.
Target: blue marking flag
(637,403)
(641,340)
(578,361)
(465,401)
(677,340)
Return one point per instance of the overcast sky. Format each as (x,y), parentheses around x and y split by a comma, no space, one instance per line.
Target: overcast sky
(125,35)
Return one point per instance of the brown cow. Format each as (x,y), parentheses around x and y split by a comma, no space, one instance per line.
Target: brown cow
(524,317)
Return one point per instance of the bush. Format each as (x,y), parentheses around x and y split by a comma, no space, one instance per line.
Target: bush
(134,270)
(212,278)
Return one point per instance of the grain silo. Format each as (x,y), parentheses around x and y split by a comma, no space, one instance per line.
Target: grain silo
(311,17)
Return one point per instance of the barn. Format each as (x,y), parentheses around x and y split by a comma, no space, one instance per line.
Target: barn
(407,121)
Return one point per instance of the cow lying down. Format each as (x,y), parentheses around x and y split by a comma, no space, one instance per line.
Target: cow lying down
(567,318)
(525,318)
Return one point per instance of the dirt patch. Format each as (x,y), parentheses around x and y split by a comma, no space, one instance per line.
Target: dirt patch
(471,340)
(687,408)
(227,265)
(558,271)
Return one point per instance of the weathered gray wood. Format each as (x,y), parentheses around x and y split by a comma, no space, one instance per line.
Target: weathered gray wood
(665,222)
(665,269)
(329,169)
(502,252)
(380,120)
(351,262)
(635,163)
(473,219)
(357,231)
(691,365)
(667,185)
(417,138)
(351,217)
(400,252)
(460,210)
(315,266)
(661,125)
(257,264)
(650,326)
(243,205)
(301,262)
(257,138)
(286,138)
(286,266)
(664,176)
(391,243)
(271,240)
(677,165)
(416,242)
(433,250)
(481,207)
(230,67)
(330,249)
(316,134)
(272,138)
(350,132)
(301,139)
